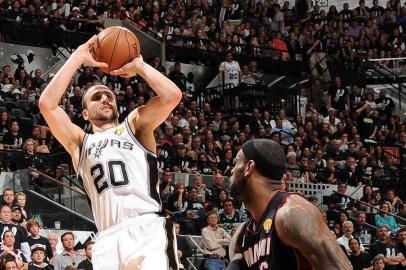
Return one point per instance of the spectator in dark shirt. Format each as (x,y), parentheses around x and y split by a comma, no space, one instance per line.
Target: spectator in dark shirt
(35,239)
(38,257)
(359,259)
(338,97)
(184,250)
(86,264)
(91,23)
(14,138)
(178,77)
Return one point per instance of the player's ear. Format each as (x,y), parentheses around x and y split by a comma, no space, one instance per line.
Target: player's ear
(85,114)
(249,167)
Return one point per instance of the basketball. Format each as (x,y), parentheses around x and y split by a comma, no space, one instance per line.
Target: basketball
(116,46)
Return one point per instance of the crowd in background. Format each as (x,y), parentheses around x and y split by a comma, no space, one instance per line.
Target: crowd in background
(260,28)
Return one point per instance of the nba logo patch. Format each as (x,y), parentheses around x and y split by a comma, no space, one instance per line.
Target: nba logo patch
(267,224)
(119,131)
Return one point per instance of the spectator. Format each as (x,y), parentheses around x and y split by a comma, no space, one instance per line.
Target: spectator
(86,264)
(184,250)
(215,241)
(378,262)
(53,241)
(218,185)
(361,230)
(20,236)
(13,253)
(38,259)
(13,139)
(178,77)
(35,239)
(338,98)
(348,229)
(384,217)
(68,257)
(21,200)
(228,216)
(359,259)
(8,197)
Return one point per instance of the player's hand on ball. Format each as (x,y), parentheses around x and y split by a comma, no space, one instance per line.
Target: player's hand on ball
(130,69)
(84,53)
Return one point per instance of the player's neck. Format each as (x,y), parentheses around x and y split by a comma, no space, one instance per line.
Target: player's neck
(100,127)
(260,196)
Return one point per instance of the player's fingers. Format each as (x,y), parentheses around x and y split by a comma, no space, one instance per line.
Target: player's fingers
(99,64)
(92,40)
(117,72)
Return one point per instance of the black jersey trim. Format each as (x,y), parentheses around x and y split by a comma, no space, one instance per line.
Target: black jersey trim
(82,150)
(127,124)
(153,178)
(171,245)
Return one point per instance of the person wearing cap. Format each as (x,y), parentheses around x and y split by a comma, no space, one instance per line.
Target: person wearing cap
(74,20)
(279,219)
(35,238)
(38,256)
(86,264)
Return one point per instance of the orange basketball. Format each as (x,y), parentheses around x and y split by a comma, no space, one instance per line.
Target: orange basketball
(116,46)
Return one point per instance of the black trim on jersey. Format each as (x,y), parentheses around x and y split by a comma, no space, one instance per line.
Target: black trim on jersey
(127,124)
(153,177)
(82,151)
(171,247)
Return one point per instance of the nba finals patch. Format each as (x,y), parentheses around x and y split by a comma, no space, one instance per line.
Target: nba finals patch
(119,131)
(267,225)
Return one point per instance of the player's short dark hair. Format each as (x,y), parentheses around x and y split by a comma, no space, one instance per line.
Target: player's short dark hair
(65,234)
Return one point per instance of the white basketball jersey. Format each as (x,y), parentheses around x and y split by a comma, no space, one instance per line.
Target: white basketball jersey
(119,175)
(231,72)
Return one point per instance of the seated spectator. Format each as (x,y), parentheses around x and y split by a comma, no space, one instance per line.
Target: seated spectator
(35,239)
(86,264)
(53,241)
(383,217)
(38,259)
(13,139)
(16,219)
(378,263)
(21,200)
(384,245)
(177,200)
(8,197)
(20,236)
(359,259)
(184,250)
(228,216)
(69,257)
(348,229)
(13,253)
(217,186)
(361,230)
(402,240)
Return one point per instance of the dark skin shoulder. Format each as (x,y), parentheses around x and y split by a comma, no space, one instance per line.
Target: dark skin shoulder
(300,225)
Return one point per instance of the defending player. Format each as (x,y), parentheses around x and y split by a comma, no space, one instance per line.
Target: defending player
(285,231)
(117,164)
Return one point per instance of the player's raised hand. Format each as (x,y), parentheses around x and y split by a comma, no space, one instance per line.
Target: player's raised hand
(85,53)
(130,69)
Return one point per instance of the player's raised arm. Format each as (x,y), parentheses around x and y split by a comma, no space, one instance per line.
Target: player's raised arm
(146,118)
(158,108)
(67,133)
(300,225)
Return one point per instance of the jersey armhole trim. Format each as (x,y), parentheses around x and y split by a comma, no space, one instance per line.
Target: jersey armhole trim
(127,124)
(82,151)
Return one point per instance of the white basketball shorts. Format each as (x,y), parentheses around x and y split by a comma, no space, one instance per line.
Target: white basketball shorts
(148,241)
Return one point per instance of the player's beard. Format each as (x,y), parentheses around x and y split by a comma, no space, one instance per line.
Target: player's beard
(238,186)
(106,117)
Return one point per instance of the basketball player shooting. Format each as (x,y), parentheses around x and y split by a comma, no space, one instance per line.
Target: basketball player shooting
(285,231)
(117,164)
